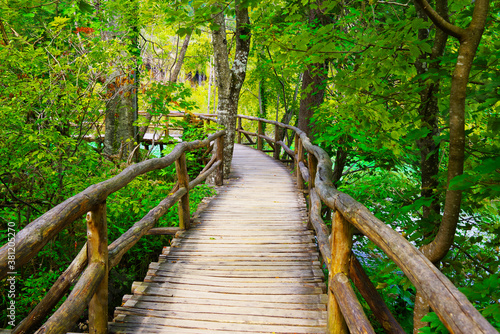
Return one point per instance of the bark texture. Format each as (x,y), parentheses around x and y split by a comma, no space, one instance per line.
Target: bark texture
(313,93)
(180,60)
(174,74)
(429,150)
(230,80)
(313,80)
(469,41)
(119,134)
(429,113)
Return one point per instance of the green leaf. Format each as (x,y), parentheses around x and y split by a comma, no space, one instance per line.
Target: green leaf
(84,6)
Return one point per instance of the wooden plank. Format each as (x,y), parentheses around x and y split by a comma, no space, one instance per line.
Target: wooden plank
(242,263)
(130,328)
(246,240)
(253,282)
(248,264)
(270,317)
(275,310)
(152,289)
(218,302)
(246,248)
(249,273)
(261,262)
(229,257)
(216,326)
(201,327)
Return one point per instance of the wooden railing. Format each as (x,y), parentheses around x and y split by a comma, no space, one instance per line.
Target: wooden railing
(96,258)
(345,313)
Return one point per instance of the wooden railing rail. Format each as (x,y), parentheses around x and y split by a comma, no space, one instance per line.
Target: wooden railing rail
(91,288)
(452,307)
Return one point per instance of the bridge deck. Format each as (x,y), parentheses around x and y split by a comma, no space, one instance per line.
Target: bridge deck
(249,266)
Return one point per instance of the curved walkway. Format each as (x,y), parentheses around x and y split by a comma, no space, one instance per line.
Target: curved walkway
(250,265)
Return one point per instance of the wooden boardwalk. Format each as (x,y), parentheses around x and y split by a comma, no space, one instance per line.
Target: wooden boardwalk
(250,265)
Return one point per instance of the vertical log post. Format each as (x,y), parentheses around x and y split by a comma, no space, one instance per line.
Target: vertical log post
(167,125)
(313,167)
(239,129)
(219,176)
(341,244)
(97,251)
(312,163)
(183,205)
(300,157)
(277,147)
(260,132)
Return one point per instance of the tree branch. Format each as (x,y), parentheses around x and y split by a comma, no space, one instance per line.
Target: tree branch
(476,262)
(440,22)
(17,198)
(4,34)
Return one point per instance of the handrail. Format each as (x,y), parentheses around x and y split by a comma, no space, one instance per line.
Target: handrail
(91,288)
(452,307)
(38,233)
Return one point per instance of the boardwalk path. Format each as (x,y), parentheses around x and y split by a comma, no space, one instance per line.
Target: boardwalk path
(250,266)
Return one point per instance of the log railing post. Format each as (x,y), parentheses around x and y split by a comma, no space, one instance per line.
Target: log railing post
(277,147)
(97,252)
(167,129)
(239,131)
(341,244)
(300,157)
(312,163)
(219,174)
(260,132)
(372,298)
(183,178)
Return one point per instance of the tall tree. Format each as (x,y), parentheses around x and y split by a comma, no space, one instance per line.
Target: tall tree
(469,39)
(121,107)
(175,69)
(230,79)
(429,148)
(314,77)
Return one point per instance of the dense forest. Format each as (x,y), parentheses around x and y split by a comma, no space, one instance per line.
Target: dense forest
(403,95)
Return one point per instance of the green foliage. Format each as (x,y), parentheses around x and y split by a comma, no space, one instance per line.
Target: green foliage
(396,290)
(53,91)
(195,129)
(161,97)
(483,294)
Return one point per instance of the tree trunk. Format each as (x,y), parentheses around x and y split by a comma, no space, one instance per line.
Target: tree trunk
(469,41)
(313,93)
(230,81)
(174,75)
(429,150)
(119,134)
(180,60)
(313,80)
